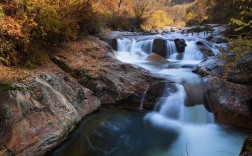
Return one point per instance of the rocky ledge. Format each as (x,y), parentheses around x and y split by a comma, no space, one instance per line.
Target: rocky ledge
(111,81)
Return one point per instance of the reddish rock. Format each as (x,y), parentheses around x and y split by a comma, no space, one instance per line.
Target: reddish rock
(155,58)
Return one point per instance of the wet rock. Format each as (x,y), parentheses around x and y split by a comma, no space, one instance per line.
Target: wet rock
(180,45)
(228,101)
(111,41)
(155,58)
(111,81)
(153,93)
(217,39)
(247,147)
(159,47)
(205,49)
(40,114)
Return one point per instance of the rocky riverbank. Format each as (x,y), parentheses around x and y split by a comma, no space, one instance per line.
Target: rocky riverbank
(40,109)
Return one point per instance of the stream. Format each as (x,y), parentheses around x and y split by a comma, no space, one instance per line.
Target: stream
(179,124)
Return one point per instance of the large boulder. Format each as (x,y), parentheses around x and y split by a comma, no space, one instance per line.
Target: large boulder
(205,49)
(36,116)
(180,45)
(111,81)
(228,101)
(159,47)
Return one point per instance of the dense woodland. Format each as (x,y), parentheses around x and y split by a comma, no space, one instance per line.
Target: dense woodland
(29,27)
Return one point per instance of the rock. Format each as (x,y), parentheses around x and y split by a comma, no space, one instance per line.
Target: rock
(205,49)
(217,39)
(159,47)
(112,42)
(153,93)
(228,101)
(111,80)
(37,116)
(180,45)
(247,147)
(153,57)
(241,73)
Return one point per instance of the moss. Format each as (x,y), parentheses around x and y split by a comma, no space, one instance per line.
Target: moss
(249,147)
(6,87)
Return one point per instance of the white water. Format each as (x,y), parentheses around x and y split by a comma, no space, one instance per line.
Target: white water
(171,49)
(198,134)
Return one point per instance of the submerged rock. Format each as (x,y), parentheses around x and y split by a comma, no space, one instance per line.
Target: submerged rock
(38,116)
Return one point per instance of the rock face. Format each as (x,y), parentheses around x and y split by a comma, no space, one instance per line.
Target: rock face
(228,101)
(180,45)
(247,147)
(205,49)
(159,47)
(37,116)
(110,80)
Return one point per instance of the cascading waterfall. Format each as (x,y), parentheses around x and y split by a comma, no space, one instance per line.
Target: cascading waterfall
(172,129)
(194,124)
(171,49)
(132,46)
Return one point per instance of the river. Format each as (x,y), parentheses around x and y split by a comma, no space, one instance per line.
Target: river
(179,124)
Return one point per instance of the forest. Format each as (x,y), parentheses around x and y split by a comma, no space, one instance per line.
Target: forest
(28,26)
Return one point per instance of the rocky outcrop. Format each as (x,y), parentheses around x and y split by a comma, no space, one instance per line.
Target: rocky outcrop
(228,101)
(180,45)
(111,80)
(240,73)
(211,66)
(247,147)
(205,49)
(37,116)
(159,47)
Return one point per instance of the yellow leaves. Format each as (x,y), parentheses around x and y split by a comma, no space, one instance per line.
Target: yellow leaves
(158,19)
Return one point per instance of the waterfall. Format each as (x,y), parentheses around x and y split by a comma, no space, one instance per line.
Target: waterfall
(173,104)
(173,107)
(171,49)
(143,98)
(135,47)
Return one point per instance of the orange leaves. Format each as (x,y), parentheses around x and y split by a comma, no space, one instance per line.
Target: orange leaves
(10,27)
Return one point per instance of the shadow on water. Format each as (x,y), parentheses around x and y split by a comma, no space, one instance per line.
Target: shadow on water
(118,133)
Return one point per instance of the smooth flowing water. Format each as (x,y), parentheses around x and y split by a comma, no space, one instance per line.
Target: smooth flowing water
(179,125)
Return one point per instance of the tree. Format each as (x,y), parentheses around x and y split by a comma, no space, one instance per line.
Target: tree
(244,20)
